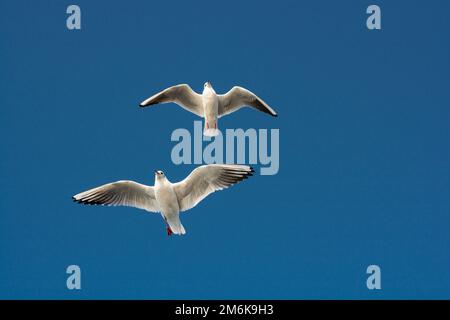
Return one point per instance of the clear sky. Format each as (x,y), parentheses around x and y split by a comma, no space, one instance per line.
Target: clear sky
(364,149)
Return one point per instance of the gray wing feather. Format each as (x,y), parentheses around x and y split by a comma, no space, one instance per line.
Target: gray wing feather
(206,179)
(120,193)
(182,95)
(239,97)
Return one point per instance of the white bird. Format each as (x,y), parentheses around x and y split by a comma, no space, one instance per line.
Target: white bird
(166,197)
(209,104)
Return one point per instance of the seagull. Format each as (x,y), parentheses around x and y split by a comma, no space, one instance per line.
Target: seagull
(209,104)
(166,197)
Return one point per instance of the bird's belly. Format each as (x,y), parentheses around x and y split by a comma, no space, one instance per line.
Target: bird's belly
(167,201)
(210,107)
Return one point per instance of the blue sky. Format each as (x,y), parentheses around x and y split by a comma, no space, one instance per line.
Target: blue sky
(364,149)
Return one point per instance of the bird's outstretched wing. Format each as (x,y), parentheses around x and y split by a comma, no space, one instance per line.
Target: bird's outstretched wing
(206,179)
(182,95)
(121,193)
(239,97)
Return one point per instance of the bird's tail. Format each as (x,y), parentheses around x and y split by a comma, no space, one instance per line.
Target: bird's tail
(211,132)
(211,128)
(176,226)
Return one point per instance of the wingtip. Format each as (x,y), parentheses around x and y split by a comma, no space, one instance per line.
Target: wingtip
(250,172)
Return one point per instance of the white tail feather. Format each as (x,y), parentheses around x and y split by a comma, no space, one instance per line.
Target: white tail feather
(211,132)
(176,226)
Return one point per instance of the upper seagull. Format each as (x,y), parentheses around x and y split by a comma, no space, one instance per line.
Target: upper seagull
(166,197)
(209,104)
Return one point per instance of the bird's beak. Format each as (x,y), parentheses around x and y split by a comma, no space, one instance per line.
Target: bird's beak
(155,172)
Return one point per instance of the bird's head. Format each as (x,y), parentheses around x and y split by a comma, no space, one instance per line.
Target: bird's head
(208,88)
(159,175)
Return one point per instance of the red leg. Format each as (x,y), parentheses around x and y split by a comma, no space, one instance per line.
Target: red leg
(169,231)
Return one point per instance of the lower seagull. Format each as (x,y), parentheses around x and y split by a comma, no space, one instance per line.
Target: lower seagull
(166,197)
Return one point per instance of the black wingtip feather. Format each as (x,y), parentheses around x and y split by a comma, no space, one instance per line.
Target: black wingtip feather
(81,201)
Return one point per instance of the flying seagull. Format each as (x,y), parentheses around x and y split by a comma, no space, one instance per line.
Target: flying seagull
(166,197)
(209,104)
